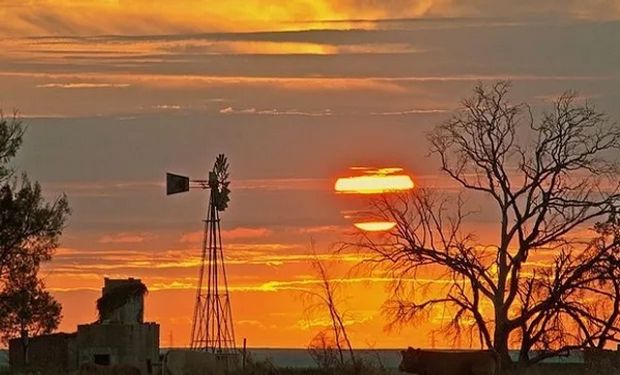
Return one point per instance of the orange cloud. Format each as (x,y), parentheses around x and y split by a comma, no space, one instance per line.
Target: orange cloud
(229,234)
(57,17)
(277,184)
(275,112)
(79,17)
(83,85)
(241,232)
(120,80)
(321,229)
(126,237)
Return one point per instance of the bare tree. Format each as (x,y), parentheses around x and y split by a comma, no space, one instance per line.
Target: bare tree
(544,285)
(325,298)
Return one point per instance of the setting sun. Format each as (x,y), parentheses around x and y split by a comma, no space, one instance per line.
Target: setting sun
(375,226)
(260,166)
(373,184)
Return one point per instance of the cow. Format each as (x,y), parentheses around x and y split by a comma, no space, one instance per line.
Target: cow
(427,362)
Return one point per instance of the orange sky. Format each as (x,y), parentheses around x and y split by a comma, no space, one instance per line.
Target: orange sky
(115,93)
(268,270)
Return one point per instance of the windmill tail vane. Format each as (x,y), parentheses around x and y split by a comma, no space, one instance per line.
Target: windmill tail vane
(212,324)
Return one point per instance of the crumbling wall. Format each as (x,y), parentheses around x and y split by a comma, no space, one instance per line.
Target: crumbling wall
(131,293)
(130,344)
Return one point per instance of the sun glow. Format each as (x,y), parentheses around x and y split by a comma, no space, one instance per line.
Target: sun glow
(372,181)
(375,226)
(373,184)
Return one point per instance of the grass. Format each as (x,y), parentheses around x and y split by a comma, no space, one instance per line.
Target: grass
(325,367)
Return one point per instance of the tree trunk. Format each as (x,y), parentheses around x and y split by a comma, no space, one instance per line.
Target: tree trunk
(500,341)
(25,344)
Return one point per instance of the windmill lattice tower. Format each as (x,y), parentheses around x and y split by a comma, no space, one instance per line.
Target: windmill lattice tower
(212,324)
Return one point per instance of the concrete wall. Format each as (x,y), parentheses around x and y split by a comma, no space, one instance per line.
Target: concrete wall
(56,352)
(131,344)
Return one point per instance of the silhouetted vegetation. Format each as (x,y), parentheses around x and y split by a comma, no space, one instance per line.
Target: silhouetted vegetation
(26,308)
(30,229)
(331,347)
(358,367)
(546,286)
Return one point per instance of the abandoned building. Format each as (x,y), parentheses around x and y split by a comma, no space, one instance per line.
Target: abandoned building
(119,336)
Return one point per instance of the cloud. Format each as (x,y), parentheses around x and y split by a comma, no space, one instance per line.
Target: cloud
(528,9)
(393,84)
(89,262)
(167,106)
(112,188)
(537,9)
(82,85)
(98,189)
(306,284)
(323,229)
(174,285)
(283,184)
(229,234)
(250,322)
(275,112)
(191,81)
(270,286)
(244,47)
(127,237)
(410,112)
(241,232)
(78,17)
(123,51)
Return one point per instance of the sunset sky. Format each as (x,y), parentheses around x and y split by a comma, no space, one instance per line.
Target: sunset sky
(296,93)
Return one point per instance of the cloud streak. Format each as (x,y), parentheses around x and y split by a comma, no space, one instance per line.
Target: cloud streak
(127,238)
(75,17)
(82,85)
(275,112)
(239,233)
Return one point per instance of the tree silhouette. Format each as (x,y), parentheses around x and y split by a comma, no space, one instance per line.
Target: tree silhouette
(11,132)
(330,347)
(30,229)
(544,286)
(26,309)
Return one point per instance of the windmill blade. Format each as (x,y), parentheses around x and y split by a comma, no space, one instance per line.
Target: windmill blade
(176,183)
(221,168)
(221,197)
(220,188)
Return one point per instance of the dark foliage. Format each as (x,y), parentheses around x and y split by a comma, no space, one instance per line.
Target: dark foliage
(26,308)
(11,132)
(30,229)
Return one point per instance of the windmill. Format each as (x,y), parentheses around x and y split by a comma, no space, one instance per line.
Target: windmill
(212,324)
